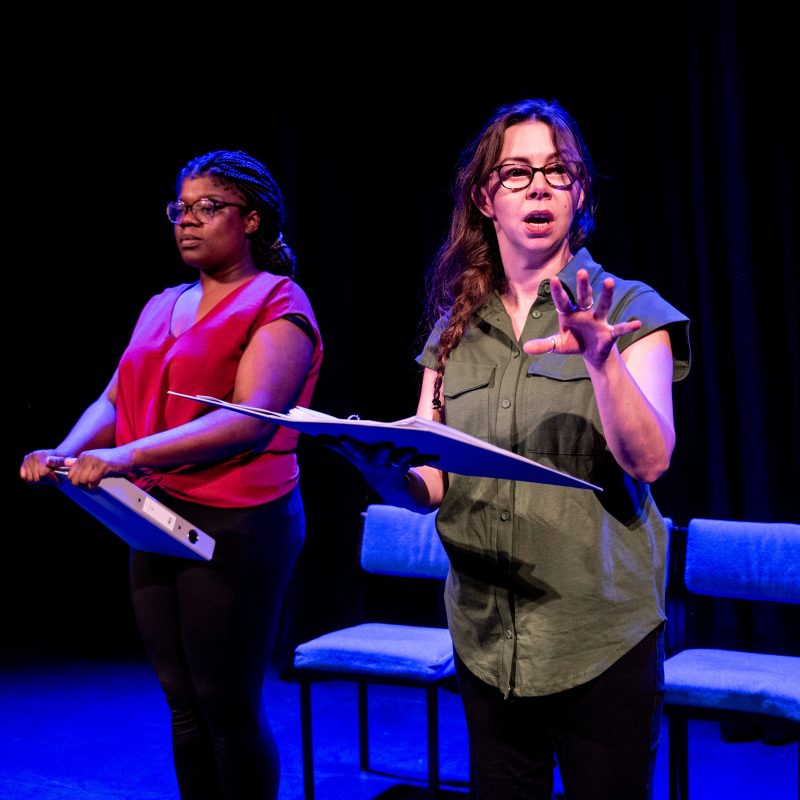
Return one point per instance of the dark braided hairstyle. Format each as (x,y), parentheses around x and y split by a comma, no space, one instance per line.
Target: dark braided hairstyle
(251,179)
(467,267)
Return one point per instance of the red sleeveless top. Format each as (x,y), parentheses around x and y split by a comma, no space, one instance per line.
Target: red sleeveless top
(204,360)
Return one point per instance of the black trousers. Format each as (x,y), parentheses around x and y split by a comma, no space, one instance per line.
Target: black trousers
(209,628)
(603,733)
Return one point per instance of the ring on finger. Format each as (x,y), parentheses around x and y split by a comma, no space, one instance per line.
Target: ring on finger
(570,310)
(586,308)
(552,343)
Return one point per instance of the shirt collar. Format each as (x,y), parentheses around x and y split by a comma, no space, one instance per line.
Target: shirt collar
(567,276)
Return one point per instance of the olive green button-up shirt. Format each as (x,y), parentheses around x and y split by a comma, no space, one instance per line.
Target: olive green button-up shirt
(548,586)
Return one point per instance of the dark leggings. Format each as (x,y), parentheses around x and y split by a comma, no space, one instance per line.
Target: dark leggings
(604,733)
(209,629)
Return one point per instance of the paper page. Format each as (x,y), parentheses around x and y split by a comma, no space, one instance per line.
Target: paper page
(444,447)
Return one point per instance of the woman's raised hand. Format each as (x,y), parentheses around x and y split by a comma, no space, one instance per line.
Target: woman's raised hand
(583,327)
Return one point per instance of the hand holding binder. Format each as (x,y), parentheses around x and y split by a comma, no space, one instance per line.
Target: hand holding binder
(450,450)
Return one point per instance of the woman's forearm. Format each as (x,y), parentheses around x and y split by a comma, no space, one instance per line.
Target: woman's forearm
(95,428)
(215,436)
(639,437)
(418,489)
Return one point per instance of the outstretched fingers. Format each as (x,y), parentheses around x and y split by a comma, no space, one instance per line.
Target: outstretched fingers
(561,300)
(621,328)
(603,303)
(583,326)
(538,347)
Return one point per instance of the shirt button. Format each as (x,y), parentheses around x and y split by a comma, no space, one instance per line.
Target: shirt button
(504,516)
(546,288)
(509,635)
(505,403)
(536,313)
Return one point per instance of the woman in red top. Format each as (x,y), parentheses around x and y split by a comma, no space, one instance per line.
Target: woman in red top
(244,332)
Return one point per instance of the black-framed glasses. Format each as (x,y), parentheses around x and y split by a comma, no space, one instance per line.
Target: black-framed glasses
(558,174)
(203,209)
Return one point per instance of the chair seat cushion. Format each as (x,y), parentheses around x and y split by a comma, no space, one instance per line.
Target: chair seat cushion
(734,681)
(381,650)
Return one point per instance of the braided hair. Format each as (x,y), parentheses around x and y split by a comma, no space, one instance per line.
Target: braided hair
(250,178)
(468,267)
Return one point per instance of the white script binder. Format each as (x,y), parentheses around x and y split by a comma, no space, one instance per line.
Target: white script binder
(451,450)
(139,519)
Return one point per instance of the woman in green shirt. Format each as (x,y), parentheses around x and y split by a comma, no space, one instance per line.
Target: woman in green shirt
(555,597)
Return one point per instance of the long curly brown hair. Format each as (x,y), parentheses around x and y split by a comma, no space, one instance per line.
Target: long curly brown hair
(467,267)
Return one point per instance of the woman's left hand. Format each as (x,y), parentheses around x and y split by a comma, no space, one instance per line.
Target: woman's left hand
(582,328)
(91,466)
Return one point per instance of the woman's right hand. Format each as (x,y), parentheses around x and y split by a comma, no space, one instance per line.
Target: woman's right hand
(39,465)
(383,465)
(388,469)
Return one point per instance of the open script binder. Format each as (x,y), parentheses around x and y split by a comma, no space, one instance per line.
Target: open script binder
(451,450)
(139,519)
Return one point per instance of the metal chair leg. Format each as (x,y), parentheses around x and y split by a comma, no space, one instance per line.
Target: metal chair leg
(678,732)
(305,728)
(363,726)
(433,739)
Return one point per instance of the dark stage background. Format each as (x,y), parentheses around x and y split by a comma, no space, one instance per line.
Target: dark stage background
(690,122)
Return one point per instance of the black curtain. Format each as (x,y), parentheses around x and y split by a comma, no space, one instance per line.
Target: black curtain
(688,118)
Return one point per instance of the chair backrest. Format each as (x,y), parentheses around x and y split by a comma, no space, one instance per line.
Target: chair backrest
(396,541)
(747,560)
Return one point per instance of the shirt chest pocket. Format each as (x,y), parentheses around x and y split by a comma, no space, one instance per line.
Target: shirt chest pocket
(466,397)
(562,414)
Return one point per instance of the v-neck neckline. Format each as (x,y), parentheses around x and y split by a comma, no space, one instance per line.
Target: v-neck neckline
(214,309)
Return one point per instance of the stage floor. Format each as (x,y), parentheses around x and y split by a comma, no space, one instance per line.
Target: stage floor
(76,729)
